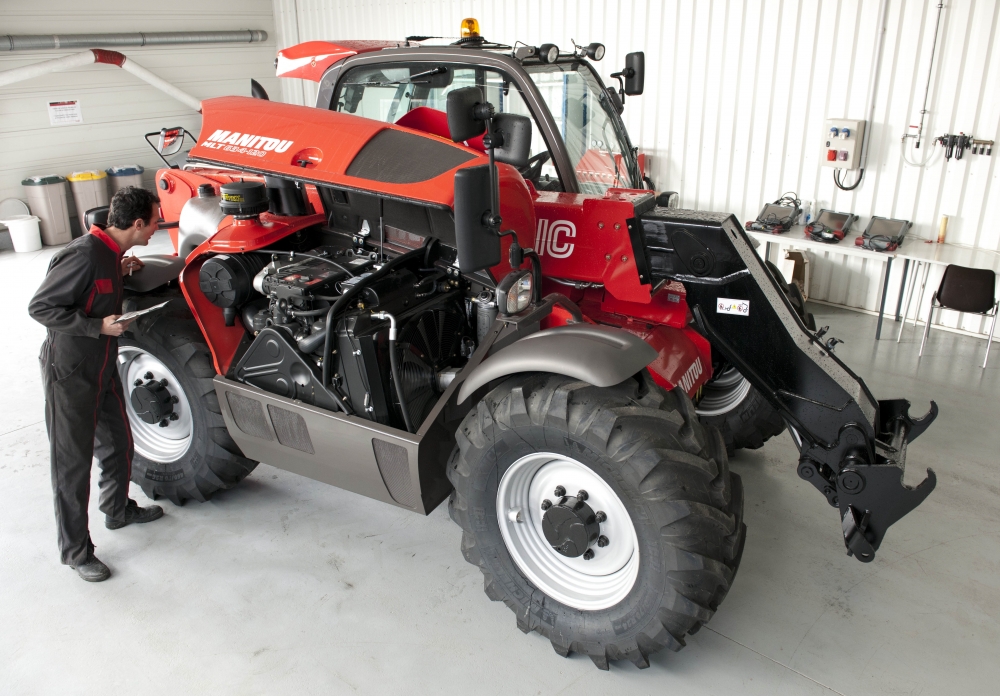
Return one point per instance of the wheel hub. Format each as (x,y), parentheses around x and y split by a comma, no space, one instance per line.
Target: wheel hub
(152,401)
(158,409)
(571,526)
(581,550)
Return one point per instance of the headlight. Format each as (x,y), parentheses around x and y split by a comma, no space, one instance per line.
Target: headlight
(595,51)
(548,53)
(514,292)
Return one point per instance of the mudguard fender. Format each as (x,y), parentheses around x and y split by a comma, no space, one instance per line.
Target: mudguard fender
(595,354)
(158,269)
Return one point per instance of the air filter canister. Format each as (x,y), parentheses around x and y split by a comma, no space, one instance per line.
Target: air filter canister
(244,199)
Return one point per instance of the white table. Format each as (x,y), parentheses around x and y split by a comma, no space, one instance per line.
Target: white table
(926,254)
(796,237)
(913,250)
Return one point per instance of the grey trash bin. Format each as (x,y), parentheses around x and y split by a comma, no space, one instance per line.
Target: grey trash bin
(90,190)
(122,175)
(47,199)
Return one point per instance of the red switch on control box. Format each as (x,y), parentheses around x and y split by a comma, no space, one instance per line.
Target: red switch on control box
(831,155)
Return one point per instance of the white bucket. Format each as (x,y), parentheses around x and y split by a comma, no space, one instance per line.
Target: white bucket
(24,232)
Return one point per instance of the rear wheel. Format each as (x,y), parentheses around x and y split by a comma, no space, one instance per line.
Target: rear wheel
(606,519)
(182,447)
(744,417)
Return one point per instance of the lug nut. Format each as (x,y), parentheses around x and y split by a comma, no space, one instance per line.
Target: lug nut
(137,383)
(588,554)
(163,382)
(582,494)
(602,541)
(559,491)
(174,416)
(148,375)
(600,516)
(174,399)
(546,504)
(164,423)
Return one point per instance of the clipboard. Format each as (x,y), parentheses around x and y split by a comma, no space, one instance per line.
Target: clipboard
(130,316)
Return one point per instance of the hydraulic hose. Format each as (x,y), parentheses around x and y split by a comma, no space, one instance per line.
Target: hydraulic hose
(352,292)
(394,367)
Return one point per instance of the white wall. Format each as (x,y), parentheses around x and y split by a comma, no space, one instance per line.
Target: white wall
(737,92)
(117,107)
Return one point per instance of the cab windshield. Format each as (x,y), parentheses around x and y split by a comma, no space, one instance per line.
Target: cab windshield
(594,134)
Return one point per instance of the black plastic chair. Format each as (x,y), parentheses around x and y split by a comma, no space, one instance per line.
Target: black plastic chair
(96,216)
(968,291)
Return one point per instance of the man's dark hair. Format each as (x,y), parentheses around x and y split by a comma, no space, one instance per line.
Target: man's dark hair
(129,204)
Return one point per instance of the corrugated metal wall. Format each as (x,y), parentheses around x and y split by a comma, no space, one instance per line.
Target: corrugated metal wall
(117,107)
(737,93)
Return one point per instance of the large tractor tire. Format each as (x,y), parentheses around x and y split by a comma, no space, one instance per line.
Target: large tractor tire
(729,402)
(668,513)
(182,448)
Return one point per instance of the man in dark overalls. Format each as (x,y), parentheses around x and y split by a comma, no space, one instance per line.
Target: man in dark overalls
(85,415)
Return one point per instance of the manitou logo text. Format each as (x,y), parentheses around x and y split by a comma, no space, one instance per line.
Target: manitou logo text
(245,143)
(547,238)
(691,376)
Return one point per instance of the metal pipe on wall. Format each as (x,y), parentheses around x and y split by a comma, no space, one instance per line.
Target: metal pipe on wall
(98,55)
(42,42)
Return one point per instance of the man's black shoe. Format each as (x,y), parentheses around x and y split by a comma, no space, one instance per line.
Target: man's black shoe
(134,515)
(93,570)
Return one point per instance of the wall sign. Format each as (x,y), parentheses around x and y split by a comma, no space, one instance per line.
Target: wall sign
(65,113)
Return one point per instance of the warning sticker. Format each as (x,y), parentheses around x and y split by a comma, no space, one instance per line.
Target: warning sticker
(726,306)
(64,113)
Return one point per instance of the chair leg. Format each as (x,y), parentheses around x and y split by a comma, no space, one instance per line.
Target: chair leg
(989,341)
(927,328)
(909,296)
(920,297)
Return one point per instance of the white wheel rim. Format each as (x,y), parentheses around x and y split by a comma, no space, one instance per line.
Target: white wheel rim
(598,583)
(723,394)
(171,442)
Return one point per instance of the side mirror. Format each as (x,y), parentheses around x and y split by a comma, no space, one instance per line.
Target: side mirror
(514,142)
(168,142)
(171,141)
(634,73)
(478,244)
(463,120)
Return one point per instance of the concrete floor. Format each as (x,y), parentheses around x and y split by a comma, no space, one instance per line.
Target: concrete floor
(285,585)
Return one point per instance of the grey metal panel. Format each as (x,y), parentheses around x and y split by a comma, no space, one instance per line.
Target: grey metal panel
(343,444)
(595,354)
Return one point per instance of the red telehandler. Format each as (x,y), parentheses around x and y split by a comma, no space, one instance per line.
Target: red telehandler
(395,296)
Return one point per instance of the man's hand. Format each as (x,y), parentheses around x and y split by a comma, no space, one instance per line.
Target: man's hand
(131,264)
(110,328)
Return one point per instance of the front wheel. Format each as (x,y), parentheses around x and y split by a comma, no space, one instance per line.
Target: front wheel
(182,448)
(606,519)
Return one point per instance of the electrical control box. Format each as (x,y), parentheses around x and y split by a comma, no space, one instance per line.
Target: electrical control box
(842,140)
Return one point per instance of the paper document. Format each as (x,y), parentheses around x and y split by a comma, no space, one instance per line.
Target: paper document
(129,316)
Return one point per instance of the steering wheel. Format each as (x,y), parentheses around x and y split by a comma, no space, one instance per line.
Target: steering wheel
(533,167)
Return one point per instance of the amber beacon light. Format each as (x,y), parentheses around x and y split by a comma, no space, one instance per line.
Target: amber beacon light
(470,27)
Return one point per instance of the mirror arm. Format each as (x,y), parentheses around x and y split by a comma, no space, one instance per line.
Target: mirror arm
(625,73)
(494,220)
